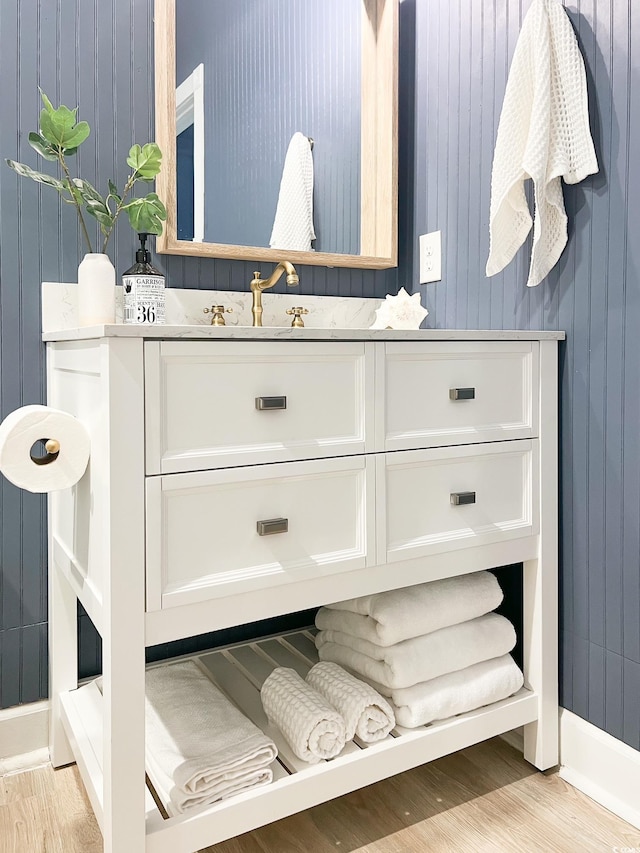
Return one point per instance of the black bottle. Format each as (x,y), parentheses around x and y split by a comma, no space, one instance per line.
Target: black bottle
(144,295)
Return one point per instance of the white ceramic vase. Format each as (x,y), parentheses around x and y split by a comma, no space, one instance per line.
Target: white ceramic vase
(96,290)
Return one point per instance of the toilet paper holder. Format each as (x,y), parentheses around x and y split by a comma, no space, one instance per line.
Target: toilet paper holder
(43,450)
(52,448)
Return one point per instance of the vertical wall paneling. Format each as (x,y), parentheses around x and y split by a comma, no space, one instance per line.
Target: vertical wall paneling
(407,164)
(450,109)
(630,403)
(97,55)
(463,53)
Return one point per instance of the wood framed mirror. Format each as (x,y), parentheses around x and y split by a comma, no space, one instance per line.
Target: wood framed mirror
(224,142)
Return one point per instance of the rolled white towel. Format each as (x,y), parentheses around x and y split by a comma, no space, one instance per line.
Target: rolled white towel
(312,727)
(199,747)
(401,614)
(421,658)
(365,712)
(457,692)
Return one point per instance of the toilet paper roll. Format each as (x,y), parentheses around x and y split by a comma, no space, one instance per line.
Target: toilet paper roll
(67,450)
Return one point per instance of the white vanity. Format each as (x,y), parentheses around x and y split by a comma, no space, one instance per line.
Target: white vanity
(385,458)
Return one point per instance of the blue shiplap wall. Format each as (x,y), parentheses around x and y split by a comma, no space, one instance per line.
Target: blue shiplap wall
(454,61)
(259,59)
(97,54)
(463,51)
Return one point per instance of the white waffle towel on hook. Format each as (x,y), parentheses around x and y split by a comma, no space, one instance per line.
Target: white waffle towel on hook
(312,727)
(457,692)
(390,617)
(199,747)
(544,135)
(365,712)
(293,223)
(421,658)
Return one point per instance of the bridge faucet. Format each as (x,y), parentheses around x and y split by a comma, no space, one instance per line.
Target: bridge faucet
(258,285)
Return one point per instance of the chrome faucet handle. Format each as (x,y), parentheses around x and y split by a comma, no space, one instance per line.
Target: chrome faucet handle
(218,312)
(297,321)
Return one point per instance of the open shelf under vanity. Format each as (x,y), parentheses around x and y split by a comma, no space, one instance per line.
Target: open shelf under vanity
(239,671)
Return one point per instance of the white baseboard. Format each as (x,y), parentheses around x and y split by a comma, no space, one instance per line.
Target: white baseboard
(600,766)
(24,730)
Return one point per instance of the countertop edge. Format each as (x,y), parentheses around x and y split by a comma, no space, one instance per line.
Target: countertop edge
(286,333)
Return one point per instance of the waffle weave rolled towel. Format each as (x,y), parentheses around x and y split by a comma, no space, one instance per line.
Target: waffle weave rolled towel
(457,692)
(365,712)
(312,727)
(391,617)
(199,747)
(421,658)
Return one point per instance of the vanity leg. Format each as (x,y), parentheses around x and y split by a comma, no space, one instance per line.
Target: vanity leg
(541,663)
(124,736)
(123,640)
(63,653)
(541,582)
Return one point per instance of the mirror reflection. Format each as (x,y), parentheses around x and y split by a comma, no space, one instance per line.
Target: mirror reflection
(268,117)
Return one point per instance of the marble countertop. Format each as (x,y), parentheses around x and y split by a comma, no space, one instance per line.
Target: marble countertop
(286,333)
(330,319)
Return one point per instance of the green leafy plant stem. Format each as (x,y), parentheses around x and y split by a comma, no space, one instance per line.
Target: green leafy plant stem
(120,207)
(72,193)
(60,137)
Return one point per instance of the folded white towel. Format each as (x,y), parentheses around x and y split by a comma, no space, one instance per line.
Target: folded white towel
(365,713)
(391,617)
(312,727)
(199,747)
(457,692)
(293,223)
(420,658)
(544,134)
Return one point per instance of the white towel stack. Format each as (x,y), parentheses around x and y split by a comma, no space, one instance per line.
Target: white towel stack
(199,747)
(435,650)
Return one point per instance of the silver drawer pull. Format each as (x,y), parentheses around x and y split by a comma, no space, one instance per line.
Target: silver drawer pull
(462,393)
(272,525)
(463,498)
(268,404)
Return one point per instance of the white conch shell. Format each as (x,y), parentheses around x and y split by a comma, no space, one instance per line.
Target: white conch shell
(400,312)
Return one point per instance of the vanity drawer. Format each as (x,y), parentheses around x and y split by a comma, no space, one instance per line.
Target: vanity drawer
(445,393)
(203,537)
(201,402)
(456,497)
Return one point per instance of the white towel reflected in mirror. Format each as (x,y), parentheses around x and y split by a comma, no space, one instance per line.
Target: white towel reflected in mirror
(293,223)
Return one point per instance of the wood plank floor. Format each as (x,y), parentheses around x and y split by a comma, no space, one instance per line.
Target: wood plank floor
(484,799)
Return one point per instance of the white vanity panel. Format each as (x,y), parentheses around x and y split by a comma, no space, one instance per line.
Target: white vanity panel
(201,411)
(421,379)
(417,488)
(160,541)
(202,538)
(77,377)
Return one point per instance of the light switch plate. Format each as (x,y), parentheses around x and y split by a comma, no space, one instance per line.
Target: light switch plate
(430,257)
